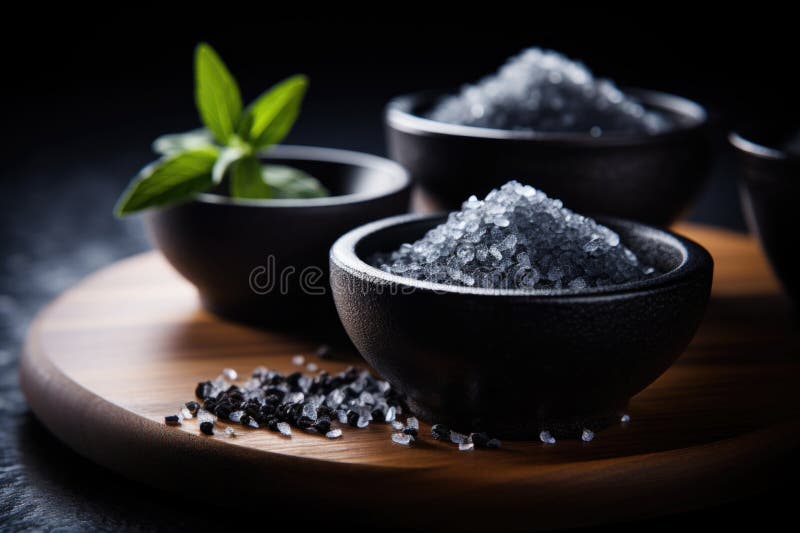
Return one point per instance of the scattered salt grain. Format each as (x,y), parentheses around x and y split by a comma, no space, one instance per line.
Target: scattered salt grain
(587,435)
(402,439)
(312,367)
(625,419)
(230,432)
(298,360)
(172,420)
(546,437)
(185,413)
(230,374)
(334,433)
(458,438)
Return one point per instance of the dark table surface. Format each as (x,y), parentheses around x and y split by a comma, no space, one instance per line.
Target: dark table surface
(59,183)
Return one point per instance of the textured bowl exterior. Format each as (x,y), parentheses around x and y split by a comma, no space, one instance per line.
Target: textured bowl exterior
(216,243)
(652,179)
(512,364)
(769,187)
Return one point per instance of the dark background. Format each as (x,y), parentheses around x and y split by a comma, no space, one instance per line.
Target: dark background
(81,102)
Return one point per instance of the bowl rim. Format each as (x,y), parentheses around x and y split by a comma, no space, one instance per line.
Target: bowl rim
(399,115)
(343,255)
(401,180)
(761,151)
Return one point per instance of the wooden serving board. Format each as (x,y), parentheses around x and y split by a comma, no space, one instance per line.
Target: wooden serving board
(107,360)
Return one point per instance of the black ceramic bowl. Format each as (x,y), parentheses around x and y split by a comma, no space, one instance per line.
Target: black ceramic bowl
(769,189)
(237,252)
(511,362)
(651,178)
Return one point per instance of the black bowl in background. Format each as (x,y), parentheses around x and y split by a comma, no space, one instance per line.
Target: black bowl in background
(235,251)
(651,178)
(770,187)
(513,362)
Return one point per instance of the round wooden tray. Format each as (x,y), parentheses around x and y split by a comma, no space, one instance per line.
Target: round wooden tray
(108,359)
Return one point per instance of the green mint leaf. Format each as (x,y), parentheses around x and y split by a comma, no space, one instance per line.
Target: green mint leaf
(226,158)
(247,179)
(172,143)
(270,117)
(169,180)
(290,182)
(216,93)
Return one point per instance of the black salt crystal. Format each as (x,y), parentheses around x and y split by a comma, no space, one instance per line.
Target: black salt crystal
(440,432)
(411,431)
(223,410)
(272,423)
(378,415)
(203,390)
(493,443)
(207,428)
(352,418)
(323,425)
(245,420)
(172,420)
(480,439)
(193,407)
(293,379)
(304,422)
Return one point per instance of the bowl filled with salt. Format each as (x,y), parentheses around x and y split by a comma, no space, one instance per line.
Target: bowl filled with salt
(545,118)
(516,315)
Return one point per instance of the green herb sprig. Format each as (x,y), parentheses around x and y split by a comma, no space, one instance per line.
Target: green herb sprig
(198,160)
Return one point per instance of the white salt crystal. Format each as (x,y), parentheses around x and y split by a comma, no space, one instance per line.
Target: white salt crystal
(285,429)
(334,433)
(587,435)
(459,438)
(229,431)
(298,360)
(230,374)
(310,411)
(466,446)
(412,422)
(236,416)
(312,367)
(625,419)
(402,439)
(396,424)
(546,437)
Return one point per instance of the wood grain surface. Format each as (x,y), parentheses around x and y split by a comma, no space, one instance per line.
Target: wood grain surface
(108,359)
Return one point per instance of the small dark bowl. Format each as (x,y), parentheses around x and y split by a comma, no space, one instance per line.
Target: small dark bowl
(769,190)
(511,362)
(651,178)
(221,244)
